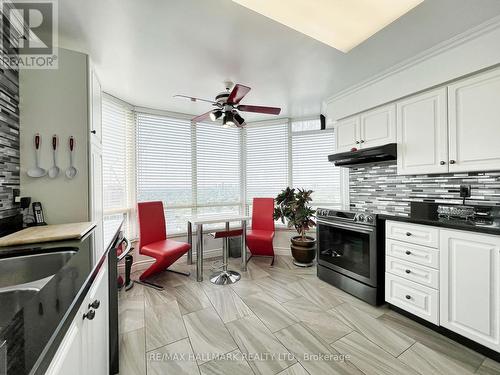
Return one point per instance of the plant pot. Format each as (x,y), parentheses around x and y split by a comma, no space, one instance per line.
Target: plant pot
(303,252)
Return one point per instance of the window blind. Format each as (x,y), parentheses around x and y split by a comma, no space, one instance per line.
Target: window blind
(266,159)
(218,167)
(311,168)
(118,143)
(164,166)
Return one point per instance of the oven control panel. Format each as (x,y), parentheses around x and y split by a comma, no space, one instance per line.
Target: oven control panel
(364,218)
(347,216)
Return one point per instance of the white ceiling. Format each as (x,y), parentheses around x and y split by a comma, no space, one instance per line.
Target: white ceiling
(147,51)
(338,23)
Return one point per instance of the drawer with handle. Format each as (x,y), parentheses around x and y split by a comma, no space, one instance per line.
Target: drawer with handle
(412,297)
(413,272)
(412,253)
(412,233)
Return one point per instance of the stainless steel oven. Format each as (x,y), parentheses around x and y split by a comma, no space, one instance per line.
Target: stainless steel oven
(348,252)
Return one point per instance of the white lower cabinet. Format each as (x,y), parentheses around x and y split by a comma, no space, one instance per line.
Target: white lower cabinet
(412,297)
(455,285)
(84,349)
(470,286)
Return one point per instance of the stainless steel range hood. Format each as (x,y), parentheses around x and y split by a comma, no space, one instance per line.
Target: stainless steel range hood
(365,156)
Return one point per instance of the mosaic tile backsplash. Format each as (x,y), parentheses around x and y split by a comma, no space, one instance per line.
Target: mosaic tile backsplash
(379,189)
(9,137)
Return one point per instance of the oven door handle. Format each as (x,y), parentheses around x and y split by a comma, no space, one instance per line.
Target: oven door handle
(354,227)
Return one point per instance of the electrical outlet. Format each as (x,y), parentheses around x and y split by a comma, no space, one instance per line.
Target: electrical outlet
(17,195)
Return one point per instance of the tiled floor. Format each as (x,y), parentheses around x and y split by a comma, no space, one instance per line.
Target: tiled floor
(276,320)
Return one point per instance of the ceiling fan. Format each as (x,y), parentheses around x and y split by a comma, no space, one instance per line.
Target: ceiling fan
(227,106)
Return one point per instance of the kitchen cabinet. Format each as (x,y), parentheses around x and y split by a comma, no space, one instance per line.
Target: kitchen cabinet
(84,349)
(470,286)
(347,134)
(373,128)
(474,123)
(70,357)
(378,126)
(422,133)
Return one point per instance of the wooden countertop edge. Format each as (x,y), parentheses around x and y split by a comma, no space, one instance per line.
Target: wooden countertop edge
(13,241)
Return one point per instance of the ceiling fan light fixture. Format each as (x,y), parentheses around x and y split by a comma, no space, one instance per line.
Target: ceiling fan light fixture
(239,120)
(228,120)
(215,115)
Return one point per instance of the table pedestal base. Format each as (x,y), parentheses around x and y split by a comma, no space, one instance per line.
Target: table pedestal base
(225,277)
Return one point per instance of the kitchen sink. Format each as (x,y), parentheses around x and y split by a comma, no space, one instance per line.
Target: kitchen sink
(31,268)
(12,301)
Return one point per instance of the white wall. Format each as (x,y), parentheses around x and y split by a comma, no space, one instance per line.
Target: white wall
(467,53)
(55,102)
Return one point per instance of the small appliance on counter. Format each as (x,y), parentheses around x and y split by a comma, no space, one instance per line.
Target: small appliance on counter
(348,253)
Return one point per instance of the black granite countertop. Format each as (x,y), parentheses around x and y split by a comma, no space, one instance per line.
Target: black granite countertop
(444,223)
(31,339)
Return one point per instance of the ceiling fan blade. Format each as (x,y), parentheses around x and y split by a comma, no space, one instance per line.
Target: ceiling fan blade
(193,99)
(202,117)
(259,109)
(238,93)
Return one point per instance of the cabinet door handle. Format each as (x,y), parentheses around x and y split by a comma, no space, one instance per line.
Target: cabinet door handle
(357,142)
(442,162)
(89,315)
(408,234)
(407,271)
(95,304)
(93,132)
(452,161)
(408,252)
(408,296)
(362,141)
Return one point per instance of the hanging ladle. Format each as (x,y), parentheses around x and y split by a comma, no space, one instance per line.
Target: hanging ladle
(54,170)
(37,171)
(71,171)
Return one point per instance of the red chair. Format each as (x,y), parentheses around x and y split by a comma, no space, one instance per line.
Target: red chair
(153,241)
(260,237)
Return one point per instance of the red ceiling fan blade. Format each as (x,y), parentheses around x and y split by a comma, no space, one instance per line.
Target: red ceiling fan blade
(259,109)
(202,117)
(238,93)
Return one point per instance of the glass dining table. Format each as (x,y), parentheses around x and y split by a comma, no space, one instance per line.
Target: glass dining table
(199,222)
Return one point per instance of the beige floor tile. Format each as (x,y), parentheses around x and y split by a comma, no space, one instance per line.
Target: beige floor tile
(322,297)
(177,358)
(272,314)
(279,291)
(427,361)
(132,353)
(323,324)
(232,364)
(489,367)
(370,358)
(131,313)
(208,335)
(314,355)
(295,369)
(388,339)
(466,357)
(164,325)
(228,304)
(190,297)
(246,288)
(266,355)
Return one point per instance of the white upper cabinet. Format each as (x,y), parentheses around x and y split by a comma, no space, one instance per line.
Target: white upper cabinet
(470,286)
(347,134)
(378,126)
(474,123)
(373,128)
(422,133)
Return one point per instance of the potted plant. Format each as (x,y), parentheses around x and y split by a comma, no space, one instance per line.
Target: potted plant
(294,207)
